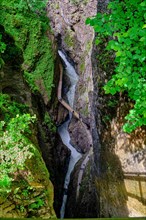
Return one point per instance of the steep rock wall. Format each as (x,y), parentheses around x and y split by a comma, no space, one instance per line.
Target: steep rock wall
(118,166)
(123,170)
(32,184)
(67,19)
(24,78)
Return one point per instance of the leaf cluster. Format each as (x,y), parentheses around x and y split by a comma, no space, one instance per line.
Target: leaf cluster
(125,27)
(49,122)
(39,202)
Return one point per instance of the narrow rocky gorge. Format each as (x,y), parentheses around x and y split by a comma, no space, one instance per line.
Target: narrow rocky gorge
(84,165)
(68,23)
(63,130)
(96,188)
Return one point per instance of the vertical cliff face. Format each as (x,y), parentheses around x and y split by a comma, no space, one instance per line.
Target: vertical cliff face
(67,19)
(75,38)
(112,183)
(31,192)
(122,156)
(25,89)
(68,23)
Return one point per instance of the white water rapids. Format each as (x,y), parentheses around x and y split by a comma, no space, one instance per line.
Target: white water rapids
(63,129)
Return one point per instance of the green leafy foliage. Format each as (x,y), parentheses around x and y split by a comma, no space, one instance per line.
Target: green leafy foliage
(8,108)
(2,49)
(15,146)
(26,22)
(49,122)
(125,27)
(37,204)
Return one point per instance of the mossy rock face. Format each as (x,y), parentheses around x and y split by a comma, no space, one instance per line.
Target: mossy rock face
(76,38)
(28,31)
(26,76)
(31,191)
(69,38)
(85,205)
(78,2)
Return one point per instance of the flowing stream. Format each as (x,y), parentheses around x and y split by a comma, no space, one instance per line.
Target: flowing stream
(63,129)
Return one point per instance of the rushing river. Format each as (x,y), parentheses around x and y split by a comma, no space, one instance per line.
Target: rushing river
(63,129)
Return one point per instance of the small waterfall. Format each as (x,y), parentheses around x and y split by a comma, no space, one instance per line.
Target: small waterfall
(71,73)
(63,129)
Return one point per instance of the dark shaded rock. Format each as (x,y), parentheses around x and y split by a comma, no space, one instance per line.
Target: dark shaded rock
(61,160)
(80,135)
(86,204)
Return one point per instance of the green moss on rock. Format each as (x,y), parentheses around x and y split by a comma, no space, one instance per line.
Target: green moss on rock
(69,38)
(28,29)
(29,52)
(32,191)
(25,187)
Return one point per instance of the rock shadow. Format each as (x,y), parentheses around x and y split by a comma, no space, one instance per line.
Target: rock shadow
(111,186)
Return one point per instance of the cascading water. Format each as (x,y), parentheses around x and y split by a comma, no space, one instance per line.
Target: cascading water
(63,129)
